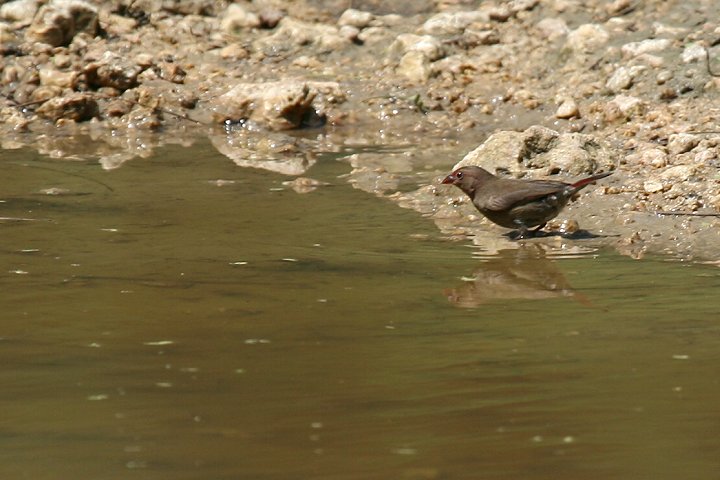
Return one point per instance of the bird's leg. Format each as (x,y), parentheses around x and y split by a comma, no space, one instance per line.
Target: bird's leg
(539,227)
(523,232)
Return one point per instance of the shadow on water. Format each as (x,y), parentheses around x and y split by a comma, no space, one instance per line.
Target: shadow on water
(203,321)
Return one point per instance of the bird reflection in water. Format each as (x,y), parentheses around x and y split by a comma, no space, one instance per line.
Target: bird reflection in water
(524,273)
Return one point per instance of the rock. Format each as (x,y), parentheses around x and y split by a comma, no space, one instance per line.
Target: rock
(304,184)
(75,106)
(516,6)
(575,154)
(450,23)
(112,70)
(7,37)
(234,51)
(291,34)
(618,7)
(499,13)
(45,92)
(58,22)
(356,18)
(117,24)
(428,45)
(52,77)
(552,28)
(621,79)
(270,17)
(415,67)
(117,108)
(623,107)
(679,173)
(567,109)
(278,105)
(171,71)
(652,186)
(693,52)
(471,38)
(654,156)
(350,32)
(540,147)
(21,11)
(236,18)
(587,38)
(704,156)
(682,142)
(374,35)
(664,77)
(633,49)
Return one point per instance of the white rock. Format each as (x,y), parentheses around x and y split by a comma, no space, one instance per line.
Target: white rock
(587,38)
(633,49)
(453,22)
(278,105)
(693,52)
(292,32)
(237,18)
(426,44)
(682,142)
(621,79)
(19,10)
(414,66)
(652,186)
(50,76)
(552,28)
(655,157)
(567,109)
(375,35)
(679,173)
(355,18)
(626,104)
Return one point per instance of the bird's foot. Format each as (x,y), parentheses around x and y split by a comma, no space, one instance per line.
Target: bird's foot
(524,232)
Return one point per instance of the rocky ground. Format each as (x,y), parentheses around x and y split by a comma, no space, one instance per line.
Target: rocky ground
(553,88)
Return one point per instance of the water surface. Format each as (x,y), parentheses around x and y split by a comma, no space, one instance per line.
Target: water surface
(182,318)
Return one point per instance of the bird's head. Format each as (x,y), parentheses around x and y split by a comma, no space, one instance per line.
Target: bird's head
(468,179)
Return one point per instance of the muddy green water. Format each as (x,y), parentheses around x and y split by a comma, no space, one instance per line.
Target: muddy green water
(175,328)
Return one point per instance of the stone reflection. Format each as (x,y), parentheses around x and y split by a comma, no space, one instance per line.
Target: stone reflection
(523,273)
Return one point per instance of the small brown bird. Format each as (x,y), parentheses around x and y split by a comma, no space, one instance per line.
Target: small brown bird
(520,204)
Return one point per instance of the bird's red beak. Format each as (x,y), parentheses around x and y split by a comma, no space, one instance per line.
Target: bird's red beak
(449,179)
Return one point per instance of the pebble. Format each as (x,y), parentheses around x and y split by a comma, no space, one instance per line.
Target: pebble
(693,52)
(552,28)
(414,66)
(236,18)
(568,109)
(587,38)
(652,186)
(623,106)
(681,173)
(426,44)
(19,10)
(449,23)
(621,79)
(356,18)
(633,49)
(655,157)
(682,142)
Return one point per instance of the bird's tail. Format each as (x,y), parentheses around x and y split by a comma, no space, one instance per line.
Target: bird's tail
(580,184)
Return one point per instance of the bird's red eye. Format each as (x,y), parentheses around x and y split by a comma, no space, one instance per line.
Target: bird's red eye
(459,175)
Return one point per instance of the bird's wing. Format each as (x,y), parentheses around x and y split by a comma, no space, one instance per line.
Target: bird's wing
(520,192)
